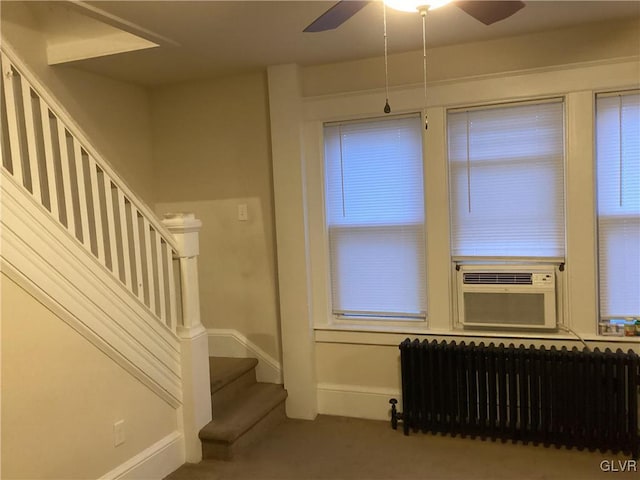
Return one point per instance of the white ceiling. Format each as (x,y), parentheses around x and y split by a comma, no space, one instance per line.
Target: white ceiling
(201,39)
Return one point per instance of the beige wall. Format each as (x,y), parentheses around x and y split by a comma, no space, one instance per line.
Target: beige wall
(372,366)
(212,153)
(113,114)
(591,42)
(61,397)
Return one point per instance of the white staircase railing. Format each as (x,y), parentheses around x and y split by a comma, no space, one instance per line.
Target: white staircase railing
(44,152)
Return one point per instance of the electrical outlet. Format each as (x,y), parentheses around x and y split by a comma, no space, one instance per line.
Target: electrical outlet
(118,433)
(243,214)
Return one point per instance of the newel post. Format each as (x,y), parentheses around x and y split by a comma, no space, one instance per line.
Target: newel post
(196,387)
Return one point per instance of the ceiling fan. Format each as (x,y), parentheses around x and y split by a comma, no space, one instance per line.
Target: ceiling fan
(487,12)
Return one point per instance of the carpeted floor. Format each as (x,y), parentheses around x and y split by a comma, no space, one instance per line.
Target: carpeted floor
(347,448)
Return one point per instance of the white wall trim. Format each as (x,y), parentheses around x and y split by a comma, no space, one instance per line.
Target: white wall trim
(356,401)
(231,343)
(382,337)
(550,80)
(155,462)
(44,259)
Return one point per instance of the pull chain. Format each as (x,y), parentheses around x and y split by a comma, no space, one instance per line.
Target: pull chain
(387,108)
(423,12)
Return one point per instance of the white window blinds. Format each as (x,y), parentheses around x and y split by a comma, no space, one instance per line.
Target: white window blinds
(375,218)
(506,173)
(618,191)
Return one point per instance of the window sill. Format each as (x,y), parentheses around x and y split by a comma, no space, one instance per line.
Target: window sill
(393,335)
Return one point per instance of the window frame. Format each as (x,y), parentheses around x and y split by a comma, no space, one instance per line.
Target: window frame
(576,84)
(605,319)
(369,322)
(551,260)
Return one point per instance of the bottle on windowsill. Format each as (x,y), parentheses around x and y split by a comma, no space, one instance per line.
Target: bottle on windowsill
(611,329)
(629,327)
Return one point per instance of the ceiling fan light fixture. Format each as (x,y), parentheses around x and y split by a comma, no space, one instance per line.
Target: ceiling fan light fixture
(415,5)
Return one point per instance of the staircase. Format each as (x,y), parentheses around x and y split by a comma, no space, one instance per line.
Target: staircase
(81,242)
(72,230)
(243,409)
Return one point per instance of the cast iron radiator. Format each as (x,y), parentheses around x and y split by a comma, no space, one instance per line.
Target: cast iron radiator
(565,397)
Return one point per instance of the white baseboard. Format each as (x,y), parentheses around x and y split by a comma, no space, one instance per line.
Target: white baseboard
(232,343)
(355,401)
(156,462)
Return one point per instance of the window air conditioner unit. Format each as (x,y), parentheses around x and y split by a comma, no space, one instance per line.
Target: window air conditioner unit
(507,296)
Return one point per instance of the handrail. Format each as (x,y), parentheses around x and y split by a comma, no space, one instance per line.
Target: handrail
(61,112)
(47,154)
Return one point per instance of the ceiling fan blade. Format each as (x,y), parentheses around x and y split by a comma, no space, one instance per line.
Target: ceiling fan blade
(336,15)
(489,12)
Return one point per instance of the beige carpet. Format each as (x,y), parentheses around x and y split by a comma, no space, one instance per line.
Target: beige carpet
(345,448)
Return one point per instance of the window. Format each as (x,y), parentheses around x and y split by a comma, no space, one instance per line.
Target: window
(618,192)
(375,218)
(506,173)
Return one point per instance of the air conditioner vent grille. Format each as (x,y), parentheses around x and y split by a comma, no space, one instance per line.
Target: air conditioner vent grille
(498,278)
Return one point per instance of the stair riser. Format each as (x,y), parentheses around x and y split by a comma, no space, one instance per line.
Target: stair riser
(225,451)
(226,396)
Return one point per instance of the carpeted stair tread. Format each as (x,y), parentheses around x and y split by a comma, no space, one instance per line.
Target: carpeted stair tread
(224,370)
(229,425)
